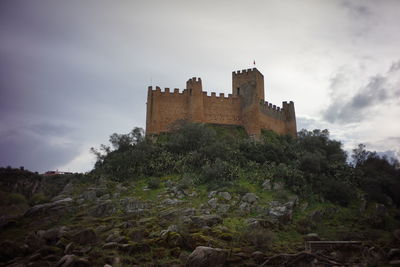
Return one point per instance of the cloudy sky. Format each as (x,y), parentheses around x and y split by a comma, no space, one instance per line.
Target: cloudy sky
(74,72)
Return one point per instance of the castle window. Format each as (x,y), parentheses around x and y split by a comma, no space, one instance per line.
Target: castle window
(190,91)
(238,91)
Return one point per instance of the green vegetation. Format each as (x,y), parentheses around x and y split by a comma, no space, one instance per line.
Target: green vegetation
(218,157)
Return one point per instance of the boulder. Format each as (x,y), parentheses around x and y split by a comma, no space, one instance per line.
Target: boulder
(213,203)
(171,202)
(223,208)
(134,206)
(89,195)
(49,208)
(212,194)
(279,185)
(72,261)
(207,257)
(103,209)
(225,195)
(250,198)
(86,236)
(281,212)
(205,220)
(54,234)
(245,207)
(35,241)
(266,185)
(258,257)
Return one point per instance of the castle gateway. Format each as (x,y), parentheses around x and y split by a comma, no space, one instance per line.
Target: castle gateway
(245,106)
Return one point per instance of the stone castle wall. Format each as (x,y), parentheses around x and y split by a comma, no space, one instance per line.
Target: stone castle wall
(245,106)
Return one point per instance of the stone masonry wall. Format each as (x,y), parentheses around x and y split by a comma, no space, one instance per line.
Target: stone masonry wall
(245,106)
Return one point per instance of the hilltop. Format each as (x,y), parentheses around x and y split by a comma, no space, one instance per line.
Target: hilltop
(206,191)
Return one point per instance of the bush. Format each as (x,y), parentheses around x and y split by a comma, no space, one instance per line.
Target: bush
(338,192)
(153,183)
(38,199)
(186,181)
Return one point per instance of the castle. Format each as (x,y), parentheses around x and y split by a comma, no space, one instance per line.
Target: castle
(245,106)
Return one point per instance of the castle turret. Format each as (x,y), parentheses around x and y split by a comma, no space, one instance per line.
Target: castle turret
(195,90)
(290,118)
(249,86)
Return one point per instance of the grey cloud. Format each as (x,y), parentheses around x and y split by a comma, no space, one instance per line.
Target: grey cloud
(37,147)
(377,91)
(357,9)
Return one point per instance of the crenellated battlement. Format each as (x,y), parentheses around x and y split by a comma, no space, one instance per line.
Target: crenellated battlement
(244,72)
(244,106)
(271,107)
(166,91)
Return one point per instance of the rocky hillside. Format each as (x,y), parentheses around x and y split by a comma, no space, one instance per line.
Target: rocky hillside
(99,222)
(201,198)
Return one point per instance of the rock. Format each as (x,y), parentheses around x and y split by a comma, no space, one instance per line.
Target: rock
(104,209)
(69,248)
(250,198)
(89,195)
(134,206)
(213,203)
(86,236)
(266,185)
(205,220)
(169,214)
(54,234)
(169,201)
(173,228)
(35,241)
(207,257)
(110,245)
(223,208)
(281,212)
(245,207)
(258,257)
(104,197)
(279,185)
(225,195)
(189,212)
(48,208)
(260,223)
(212,194)
(72,261)
(312,237)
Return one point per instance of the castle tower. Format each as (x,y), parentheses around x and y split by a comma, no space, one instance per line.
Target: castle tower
(290,117)
(244,107)
(249,86)
(195,103)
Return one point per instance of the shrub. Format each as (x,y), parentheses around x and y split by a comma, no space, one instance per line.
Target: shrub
(38,199)
(153,183)
(338,192)
(185,182)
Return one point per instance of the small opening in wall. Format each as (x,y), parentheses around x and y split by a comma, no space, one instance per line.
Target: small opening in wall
(238,91)
(190,91)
